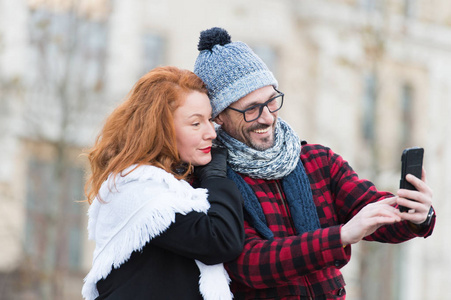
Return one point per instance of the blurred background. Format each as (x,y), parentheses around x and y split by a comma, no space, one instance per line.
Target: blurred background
(367,78)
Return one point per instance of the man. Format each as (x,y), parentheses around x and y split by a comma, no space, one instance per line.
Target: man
(304,205)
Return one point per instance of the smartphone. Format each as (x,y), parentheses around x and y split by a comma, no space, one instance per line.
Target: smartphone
(411,163)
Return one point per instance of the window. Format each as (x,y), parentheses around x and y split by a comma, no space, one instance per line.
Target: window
(372,5)
(92,37)
(154,50)
(369,107)
(66,71)
(268,55)
(54,217)
(66,48)
(407,101)
(409,8)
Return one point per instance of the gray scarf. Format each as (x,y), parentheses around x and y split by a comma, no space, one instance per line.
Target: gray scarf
(282,161)
(273,163)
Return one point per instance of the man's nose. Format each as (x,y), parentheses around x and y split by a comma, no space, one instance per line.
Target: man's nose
(266,117)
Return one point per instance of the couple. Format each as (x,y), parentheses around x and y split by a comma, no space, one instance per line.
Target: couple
(170,214)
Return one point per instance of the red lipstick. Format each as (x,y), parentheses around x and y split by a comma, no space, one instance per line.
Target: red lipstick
(206,150)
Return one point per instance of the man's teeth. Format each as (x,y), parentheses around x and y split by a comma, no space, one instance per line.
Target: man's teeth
(261,130)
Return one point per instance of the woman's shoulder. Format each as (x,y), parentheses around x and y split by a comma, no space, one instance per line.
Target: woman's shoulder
(145,176)
(145,173)
(141,184)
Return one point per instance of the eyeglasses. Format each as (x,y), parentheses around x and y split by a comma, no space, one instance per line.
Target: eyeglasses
(254,112)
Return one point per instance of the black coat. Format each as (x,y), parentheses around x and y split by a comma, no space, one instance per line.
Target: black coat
(165,268)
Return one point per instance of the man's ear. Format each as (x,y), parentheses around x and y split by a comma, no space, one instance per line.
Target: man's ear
(218,120)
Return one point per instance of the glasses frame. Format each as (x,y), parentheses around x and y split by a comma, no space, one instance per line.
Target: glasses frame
(260,106)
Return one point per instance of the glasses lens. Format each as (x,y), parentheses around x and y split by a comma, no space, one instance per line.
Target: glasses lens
(275,104)
(253,113)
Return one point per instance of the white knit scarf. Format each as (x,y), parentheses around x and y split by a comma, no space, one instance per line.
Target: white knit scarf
(139,207)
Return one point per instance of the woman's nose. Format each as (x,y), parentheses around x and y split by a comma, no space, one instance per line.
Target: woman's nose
(210,132)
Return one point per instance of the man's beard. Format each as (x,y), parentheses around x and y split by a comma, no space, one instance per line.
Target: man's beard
(262,144)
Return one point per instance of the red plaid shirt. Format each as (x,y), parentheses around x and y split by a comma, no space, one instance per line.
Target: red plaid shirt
(293,266)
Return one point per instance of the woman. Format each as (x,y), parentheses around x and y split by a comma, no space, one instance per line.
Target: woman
(156,236)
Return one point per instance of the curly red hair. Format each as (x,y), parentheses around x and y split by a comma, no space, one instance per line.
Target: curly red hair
(141,130)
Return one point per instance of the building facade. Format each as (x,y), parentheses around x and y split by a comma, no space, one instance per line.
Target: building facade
(367,78)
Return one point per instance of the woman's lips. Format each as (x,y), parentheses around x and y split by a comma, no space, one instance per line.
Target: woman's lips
(206,150)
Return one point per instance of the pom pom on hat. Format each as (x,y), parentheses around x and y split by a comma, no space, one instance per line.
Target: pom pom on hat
(211,37)
(231,70)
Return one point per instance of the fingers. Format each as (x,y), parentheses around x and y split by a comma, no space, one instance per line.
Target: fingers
(423,174)
(380,213)
(416,182)
(389,201)
(413,206)
(418,202)
(420,184)
(417,211)
(423,193)
(415,215)
(369,219)
(383,207)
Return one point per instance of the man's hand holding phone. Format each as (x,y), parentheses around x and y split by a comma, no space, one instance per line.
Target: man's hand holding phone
(414,200)
(418,202)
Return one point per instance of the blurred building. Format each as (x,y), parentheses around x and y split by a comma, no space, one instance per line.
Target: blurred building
(364,77)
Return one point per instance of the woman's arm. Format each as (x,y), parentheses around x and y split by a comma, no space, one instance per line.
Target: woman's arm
(211,238)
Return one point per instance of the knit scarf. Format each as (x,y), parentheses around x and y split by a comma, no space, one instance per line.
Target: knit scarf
(273,163)
(134,213)
(280,161)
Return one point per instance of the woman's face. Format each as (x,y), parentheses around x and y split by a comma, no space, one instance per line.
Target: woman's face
(194,129)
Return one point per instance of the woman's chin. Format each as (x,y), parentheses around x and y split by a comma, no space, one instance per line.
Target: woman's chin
(201,161)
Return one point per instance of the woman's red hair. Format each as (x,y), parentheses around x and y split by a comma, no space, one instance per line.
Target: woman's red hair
(141,130)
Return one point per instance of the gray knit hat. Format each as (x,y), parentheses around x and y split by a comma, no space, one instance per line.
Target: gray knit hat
(230,70)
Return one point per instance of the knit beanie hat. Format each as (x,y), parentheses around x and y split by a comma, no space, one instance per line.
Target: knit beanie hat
(231,70)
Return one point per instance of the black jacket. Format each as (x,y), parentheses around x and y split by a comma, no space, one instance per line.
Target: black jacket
(165,268)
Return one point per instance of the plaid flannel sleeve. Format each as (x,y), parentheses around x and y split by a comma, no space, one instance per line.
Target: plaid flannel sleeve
(268,263)
(353,193)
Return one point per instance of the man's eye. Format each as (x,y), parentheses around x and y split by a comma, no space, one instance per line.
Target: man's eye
(274,103)
(252,110)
